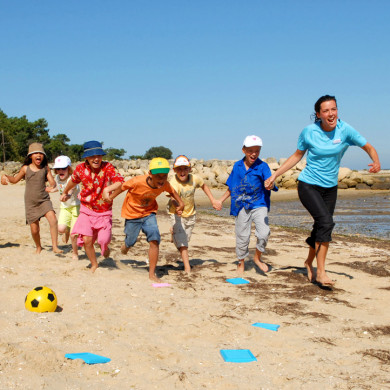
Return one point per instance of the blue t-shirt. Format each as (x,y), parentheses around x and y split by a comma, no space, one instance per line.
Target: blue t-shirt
(247,186)
(325,150)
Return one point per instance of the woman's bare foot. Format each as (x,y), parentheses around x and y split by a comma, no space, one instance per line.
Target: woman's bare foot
(124,249)
(310,271)
(188,270)
(324,280)
(154,278)
(106,253)
(57,250)
(261,265)
(38,250)
(241,267)
(75,256)
(94,267)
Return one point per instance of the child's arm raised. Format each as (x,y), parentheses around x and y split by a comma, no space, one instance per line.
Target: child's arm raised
(5,179)
(112,191)
(180,207)
(217,204)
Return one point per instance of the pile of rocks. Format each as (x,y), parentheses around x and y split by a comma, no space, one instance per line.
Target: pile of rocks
(216,172)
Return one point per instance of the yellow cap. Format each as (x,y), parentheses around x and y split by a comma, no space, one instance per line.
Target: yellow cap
(159,165)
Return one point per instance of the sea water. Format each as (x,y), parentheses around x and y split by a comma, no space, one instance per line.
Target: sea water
(365,216)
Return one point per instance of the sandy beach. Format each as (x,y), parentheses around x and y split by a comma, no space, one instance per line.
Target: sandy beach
(170,338)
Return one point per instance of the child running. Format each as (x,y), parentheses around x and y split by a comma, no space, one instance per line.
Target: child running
(69,210)
(185,184)
(36,199)
(95,219)
(250,201)
(140,207)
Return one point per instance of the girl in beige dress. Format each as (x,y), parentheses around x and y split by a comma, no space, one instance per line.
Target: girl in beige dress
(36,198)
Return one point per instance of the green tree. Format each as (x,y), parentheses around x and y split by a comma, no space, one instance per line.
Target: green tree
(114,154)
(158,151)
(136,157)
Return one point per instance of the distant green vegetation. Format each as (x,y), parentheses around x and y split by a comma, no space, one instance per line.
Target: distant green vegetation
(16,134)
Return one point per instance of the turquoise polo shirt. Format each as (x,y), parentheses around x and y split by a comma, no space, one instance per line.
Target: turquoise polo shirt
(325,150)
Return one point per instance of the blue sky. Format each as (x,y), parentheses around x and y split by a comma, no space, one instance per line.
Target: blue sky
(197,76)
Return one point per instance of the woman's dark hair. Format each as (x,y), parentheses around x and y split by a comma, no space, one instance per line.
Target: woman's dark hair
(28,161)
(317,105)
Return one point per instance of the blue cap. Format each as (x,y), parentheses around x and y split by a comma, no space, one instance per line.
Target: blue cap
(93,148)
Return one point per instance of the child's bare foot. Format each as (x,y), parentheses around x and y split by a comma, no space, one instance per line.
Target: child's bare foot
(188,270)
(75,256)
(310,271)
(106,253)
(261,265)
(38,250)
(154,278)
(94,267)
(241,266)
(57,250)
(124,249)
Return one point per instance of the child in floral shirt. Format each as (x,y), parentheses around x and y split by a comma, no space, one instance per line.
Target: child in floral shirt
(95,219)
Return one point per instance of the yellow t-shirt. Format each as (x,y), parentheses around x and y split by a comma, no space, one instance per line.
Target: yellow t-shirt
(186,192)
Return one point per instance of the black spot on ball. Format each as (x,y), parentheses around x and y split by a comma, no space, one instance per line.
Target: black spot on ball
(34,303)
(50,297)
(38,288)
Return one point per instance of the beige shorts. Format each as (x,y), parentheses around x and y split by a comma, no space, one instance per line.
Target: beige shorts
(182,229)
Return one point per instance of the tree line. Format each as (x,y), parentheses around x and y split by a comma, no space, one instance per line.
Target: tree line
(18,133)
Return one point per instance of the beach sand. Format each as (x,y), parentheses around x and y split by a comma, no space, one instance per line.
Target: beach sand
(170,338)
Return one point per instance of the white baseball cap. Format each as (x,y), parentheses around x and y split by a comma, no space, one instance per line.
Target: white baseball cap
(252,140)
(181,161)
(62,162)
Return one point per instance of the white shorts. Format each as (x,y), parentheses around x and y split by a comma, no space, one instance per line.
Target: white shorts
(182,229)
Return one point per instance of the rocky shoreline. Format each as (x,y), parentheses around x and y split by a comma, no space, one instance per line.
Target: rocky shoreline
(216,172)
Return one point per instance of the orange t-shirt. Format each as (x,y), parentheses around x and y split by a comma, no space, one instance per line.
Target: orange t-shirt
(140,199)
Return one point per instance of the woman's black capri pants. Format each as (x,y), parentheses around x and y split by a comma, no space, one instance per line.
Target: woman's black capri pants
(320,202)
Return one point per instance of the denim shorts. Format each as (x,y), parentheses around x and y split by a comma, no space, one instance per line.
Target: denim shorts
(147,224)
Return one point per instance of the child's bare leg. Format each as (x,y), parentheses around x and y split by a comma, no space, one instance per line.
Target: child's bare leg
(309,264)
(36,236)
(186,260)
(321,252)
(124,248)
(106,253)
(51,217)
(258,262)
(153,257)
(90,251)
(65,231)
(73,240)
(241,266)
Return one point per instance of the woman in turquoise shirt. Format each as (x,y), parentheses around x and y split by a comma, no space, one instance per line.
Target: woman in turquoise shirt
(326,141)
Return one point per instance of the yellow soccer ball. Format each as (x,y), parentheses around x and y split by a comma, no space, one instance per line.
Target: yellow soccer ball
(41,299)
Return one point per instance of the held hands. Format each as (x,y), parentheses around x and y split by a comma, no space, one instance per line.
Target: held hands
(269,183)
(64,197)
(217,205)
(179,209)
(106,195)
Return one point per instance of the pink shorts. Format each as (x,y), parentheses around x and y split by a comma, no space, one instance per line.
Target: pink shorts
(96,225)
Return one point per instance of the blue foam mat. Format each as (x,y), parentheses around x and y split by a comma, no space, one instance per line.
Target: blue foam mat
(273,327)
(89,358)
(237,281)
(237,355)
